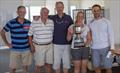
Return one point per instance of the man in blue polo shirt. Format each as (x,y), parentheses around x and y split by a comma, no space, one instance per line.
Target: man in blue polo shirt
(61,46)
(19,45)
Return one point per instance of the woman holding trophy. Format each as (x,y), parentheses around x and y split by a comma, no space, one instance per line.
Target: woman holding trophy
(80,35)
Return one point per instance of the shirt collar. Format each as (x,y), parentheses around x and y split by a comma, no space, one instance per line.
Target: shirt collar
(17,20)
(62,16)
(41,20)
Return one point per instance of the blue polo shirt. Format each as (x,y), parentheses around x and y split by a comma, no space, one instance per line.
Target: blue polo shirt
(60,28)
(19,34)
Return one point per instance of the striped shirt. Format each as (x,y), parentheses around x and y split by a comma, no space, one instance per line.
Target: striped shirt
(42,33)
(102,34)
(19,34)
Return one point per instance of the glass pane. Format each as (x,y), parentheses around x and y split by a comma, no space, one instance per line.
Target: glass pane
(71,10)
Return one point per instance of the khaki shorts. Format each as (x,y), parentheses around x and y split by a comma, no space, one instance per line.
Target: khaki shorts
(16,58)
(43,54)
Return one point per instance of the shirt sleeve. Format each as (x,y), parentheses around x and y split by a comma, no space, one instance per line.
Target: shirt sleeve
(30,32)
(7,27)
(50,17)
(111,35)
(53,25)
(71,21)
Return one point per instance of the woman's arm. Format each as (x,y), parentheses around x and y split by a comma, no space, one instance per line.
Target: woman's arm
(88,38)
(69,34)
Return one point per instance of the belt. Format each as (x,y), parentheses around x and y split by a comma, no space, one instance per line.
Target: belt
(42,44)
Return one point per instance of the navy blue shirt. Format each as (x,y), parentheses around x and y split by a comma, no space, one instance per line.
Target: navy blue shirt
(60,28)
(19,34)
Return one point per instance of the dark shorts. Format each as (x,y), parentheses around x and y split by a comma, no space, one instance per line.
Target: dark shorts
(80,54)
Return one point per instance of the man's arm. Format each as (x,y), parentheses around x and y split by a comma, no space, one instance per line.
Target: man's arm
(30,38)
(89,39)
(31,44)
(4,38)
(111,36)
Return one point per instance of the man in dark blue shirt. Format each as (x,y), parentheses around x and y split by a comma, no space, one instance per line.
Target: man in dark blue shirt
(61,46)
(19,46)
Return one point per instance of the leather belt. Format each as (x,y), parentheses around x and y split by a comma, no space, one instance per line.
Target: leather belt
(42,44)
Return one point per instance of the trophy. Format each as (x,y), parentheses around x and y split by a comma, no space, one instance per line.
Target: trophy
(78,40)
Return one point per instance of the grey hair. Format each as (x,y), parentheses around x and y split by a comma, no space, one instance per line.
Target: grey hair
(42,9)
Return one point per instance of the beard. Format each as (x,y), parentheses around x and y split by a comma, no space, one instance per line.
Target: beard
(96,15)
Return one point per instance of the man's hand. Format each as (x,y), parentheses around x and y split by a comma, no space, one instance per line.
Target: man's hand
(32,49)
(9,45)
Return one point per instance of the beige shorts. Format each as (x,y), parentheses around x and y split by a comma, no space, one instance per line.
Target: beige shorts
(16,58)
(43,54)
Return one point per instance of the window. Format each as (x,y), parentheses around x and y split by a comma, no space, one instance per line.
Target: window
(71,10)
(32,11)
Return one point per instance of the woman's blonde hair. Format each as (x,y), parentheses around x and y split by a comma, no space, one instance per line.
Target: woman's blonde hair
(78,15)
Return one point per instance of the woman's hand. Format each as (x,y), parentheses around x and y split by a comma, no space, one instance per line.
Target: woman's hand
(70,31)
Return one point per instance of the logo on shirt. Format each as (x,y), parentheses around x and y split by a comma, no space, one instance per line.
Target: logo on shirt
(26,27)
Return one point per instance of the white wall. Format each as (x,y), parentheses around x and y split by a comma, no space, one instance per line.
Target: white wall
(8,9)
(113,13)
(86,4)
(7,12)
(34,2)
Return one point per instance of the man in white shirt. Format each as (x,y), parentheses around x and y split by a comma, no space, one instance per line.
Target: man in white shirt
(102,40)
(40,39)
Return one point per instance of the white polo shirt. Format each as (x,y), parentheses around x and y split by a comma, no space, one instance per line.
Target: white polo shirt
(42,33)
(102,34)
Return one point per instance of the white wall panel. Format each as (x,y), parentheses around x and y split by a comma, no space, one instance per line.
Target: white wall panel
(114,15)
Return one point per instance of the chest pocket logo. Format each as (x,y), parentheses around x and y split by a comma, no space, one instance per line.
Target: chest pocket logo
(26,27)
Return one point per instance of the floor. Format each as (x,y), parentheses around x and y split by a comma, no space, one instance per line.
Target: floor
(4,64)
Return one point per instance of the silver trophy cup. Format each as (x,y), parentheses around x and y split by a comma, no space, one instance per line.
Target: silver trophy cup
(77,30)
(78,41)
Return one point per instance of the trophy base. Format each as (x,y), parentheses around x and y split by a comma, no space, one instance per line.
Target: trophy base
(78,45)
